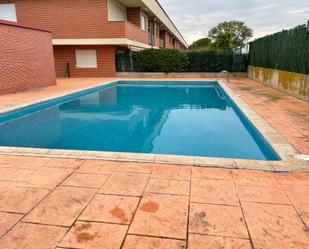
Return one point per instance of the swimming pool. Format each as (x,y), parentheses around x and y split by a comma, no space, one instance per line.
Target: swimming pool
(176,118)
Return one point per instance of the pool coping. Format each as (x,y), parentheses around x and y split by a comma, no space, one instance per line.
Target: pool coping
(282,147)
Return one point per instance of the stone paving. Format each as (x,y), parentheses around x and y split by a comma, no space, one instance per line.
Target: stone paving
(79,204)
(289,115)
(71,203)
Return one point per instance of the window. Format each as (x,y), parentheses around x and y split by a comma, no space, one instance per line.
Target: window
(8,12)
(143,22)
(86,58)
(116,11)
(120,13)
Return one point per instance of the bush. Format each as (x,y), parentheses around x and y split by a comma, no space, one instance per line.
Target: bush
(216,61)
(160,60)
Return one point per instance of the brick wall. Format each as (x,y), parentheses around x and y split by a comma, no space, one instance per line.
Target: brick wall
(136,34)
(134,16)
(69,19)
(105,61)
(26,58)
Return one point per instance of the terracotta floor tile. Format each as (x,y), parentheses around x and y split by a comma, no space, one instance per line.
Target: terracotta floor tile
(168,186)
(32,236)
(45,178)
(89,235)
(134,167)
(7,221)
(85,180)
(213,191)
(161,215)
(252,177)
(30,162)
(14,174)
(212,173)
(293,178)
(64,163)
(171,172)
(197,241)
(7,159)
(61,207)
(217,220)
(299,197)
(123,183)
(275,226)
(140,242)
(111,209)
(262,194)
(21,200)
(97,167)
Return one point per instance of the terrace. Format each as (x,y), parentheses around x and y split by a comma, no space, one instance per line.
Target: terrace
(63,199)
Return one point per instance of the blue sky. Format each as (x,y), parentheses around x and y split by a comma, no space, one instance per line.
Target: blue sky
(194,18)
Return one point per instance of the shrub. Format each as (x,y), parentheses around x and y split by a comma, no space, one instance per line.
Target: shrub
(160,60)
(216,61)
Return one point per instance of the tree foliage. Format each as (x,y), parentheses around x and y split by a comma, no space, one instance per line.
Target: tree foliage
(237,32)
(223,41)
(203,43)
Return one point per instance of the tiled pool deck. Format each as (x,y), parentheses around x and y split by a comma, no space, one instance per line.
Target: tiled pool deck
(52,202)
(72,203)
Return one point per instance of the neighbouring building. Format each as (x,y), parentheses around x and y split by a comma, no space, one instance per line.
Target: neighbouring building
(87,34)
(26,58)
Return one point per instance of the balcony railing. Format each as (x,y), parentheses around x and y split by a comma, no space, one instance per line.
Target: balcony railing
(135,33)
(125,29)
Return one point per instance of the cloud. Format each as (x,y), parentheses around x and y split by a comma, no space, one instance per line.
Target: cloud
(194,18)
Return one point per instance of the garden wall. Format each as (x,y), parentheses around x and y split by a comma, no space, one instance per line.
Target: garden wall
(281,60)
(295,84)
(26,58)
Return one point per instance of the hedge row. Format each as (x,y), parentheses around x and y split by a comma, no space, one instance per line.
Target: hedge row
(286,50)
(172,60)
(216,61)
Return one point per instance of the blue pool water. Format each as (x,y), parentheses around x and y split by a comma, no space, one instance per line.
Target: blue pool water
(195,119)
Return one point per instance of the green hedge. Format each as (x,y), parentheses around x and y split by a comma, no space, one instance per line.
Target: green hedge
(216,61)
(160,60)
(287,50)
(173,60)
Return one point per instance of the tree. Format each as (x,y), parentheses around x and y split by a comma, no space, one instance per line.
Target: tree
(223,41)
(201,44)
(239,33)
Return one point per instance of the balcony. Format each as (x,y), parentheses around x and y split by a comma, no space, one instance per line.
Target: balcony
(135,33)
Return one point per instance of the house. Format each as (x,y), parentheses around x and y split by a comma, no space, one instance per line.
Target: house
(87,34)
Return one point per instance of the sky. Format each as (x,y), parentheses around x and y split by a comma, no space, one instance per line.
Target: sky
(194,18)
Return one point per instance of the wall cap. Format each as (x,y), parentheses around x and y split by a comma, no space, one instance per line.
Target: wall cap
(15,24)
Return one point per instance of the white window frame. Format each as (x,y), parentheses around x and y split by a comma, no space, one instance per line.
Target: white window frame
(143,22)
(86,58)
(8,12)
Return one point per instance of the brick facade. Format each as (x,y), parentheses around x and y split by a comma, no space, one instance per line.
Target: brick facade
(76,19)
(134,16)
(105,61)
(84,19)
(26,58)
